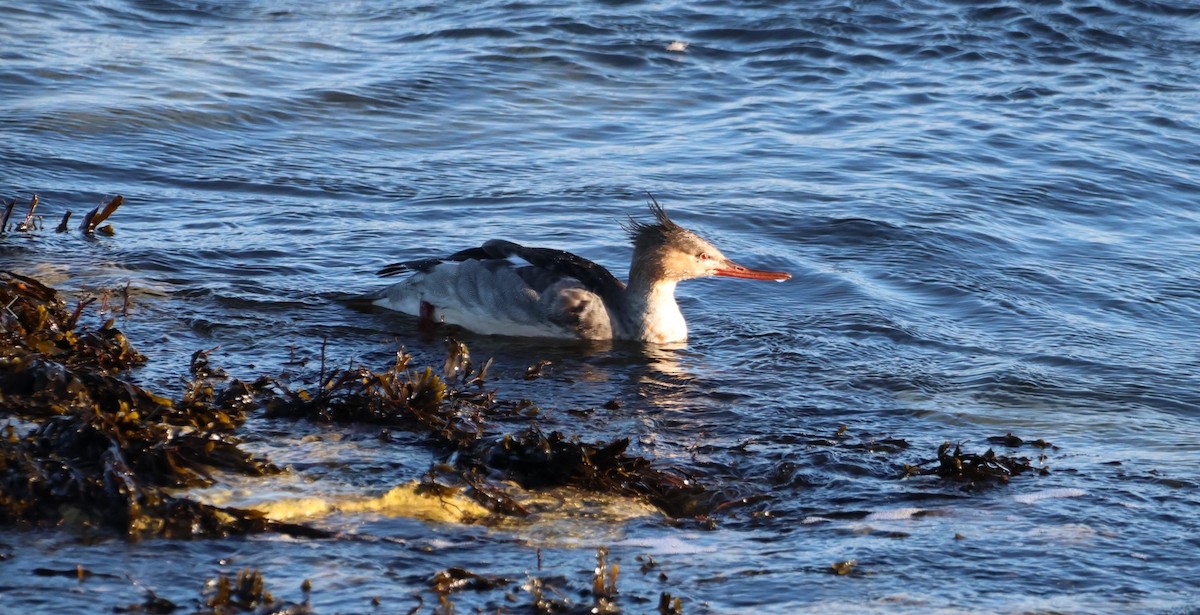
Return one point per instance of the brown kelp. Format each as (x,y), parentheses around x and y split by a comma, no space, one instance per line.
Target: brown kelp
(245,593)
(535,459)
(8,209)
(30,222)
(458,415)
(454,414)
(976,470)
(98,450)
(394,397)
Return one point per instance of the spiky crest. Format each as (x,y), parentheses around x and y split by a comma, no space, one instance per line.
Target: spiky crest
(658,232)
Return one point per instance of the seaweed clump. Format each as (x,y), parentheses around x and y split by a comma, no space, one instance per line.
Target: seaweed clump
(98,450)
(394,397)
(452,410)
(974,470)
(535,459)
(246,593)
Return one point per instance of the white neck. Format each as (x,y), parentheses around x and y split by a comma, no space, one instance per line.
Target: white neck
(651,314)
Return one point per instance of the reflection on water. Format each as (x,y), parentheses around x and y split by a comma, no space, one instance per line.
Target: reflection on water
(663,359)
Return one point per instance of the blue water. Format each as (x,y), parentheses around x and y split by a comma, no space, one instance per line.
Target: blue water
(991,210)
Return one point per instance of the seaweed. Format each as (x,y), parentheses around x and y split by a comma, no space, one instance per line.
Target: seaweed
(669,605)
(245,593)
(152,604)
(1012,441)
(975,471)
(453,411)
(540,587)
(458,579)
(62,225)
(30,222)
(456,418)
(450,580)
(843,568)
(394,397)
(101,451)
(8,209)
(604,583)
(538,460)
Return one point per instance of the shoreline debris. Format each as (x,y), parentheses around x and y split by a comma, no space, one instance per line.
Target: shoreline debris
(33,222)
(95,217)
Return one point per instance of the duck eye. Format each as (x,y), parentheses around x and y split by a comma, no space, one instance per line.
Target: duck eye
(703,256)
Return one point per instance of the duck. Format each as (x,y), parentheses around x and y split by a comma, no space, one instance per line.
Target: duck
(504,288)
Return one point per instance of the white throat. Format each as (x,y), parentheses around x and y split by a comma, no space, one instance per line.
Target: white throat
(652,315)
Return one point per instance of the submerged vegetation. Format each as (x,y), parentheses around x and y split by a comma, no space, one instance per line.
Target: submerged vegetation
(99,452)
(245,593)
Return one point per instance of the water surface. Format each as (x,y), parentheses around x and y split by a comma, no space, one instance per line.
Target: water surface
(989,209)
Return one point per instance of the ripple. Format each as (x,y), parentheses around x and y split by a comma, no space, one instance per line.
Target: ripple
(988,208)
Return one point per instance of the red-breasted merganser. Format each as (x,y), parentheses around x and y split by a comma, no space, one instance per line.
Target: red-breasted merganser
(501,288)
